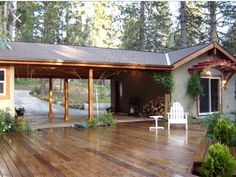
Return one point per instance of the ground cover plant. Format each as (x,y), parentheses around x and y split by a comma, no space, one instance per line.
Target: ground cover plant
(10,124)
(106,119)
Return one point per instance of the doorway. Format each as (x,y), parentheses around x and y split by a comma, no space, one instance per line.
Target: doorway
(210,99)
(118,96)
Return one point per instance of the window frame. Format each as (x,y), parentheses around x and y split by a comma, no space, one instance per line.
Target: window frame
(209,91)
(4,82)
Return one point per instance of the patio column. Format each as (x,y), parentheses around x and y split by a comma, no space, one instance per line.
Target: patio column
(50,113)
(90,95)
(66,116)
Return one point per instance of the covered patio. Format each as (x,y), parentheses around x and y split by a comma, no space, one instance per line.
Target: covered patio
(124,150)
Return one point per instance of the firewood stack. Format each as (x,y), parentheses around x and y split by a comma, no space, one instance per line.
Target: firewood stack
(153,107)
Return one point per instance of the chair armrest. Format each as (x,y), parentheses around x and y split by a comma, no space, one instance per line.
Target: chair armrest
(186,115)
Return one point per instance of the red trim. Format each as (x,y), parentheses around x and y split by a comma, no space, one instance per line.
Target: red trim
(221,65)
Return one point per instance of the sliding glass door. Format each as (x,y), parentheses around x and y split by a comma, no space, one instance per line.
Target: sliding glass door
(210,99)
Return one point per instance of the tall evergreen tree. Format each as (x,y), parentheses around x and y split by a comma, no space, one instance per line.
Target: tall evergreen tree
(183,25)
(152,32)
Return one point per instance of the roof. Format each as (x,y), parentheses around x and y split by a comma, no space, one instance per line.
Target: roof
(22,51)
(178,55)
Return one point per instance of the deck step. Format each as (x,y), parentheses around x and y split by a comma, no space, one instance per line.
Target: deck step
(200,154)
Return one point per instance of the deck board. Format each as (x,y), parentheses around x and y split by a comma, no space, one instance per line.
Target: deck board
(123,150)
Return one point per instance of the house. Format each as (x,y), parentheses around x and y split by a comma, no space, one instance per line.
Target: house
(129,71)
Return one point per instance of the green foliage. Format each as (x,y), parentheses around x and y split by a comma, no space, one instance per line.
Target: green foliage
(9,124)
(82,124)
(5,124)
(218,162)
(22,125)
(155,27)
(106,119)
(164,79)
(224,131)
(4,38)
(210,122)
(190,120)
(194,88)
(92,123)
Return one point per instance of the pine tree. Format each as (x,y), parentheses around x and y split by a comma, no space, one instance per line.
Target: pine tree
(146,23)
(183,25)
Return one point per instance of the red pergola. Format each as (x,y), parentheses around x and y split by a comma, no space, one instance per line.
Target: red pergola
(227,67)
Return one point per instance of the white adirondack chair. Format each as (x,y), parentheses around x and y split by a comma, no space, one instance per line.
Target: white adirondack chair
(177,115)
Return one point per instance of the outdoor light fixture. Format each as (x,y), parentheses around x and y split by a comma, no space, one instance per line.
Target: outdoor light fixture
(223,83)
(208,72)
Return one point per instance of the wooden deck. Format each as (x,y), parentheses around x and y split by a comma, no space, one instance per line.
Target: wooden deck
(124,150)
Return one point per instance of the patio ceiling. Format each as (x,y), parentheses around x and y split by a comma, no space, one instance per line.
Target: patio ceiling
(39,71)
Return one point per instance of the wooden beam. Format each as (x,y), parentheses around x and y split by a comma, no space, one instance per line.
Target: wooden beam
(90,94)
(13,61)
(50,99)
(66,116)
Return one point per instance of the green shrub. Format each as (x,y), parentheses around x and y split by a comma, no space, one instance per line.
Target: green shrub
(9,124)
(92,123)
(5,126)
(210,122)
(82,124)
(106,119)
(218,162)
(224,131)
(22,125)
(164,79)
(194,88)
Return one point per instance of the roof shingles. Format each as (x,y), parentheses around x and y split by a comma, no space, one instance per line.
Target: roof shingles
(77,54)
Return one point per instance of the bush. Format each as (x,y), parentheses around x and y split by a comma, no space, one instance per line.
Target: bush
(9,124)
(194,88)
(224,131)
(218,162)
(82,124)
(210,123)
(22,125)
(107,119)
(5,125)
(164,79)
(92,123)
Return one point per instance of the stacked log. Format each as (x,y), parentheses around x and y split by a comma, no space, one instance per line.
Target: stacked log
(153,107)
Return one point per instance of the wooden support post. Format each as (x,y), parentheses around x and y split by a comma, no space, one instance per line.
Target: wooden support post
(66,116)
(50,113)
(90,94)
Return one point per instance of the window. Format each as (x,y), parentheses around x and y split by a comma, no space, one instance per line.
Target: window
(210,99)
(2,82)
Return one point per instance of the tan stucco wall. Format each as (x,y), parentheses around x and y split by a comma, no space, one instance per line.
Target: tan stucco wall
(179,93)
(136,84)
(229,101)
(9,103)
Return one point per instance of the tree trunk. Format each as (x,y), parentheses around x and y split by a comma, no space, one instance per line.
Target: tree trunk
(183,26)
(141,29)
(212,9)
(5,14)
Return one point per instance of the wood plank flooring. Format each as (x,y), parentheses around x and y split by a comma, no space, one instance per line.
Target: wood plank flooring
(124,150)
